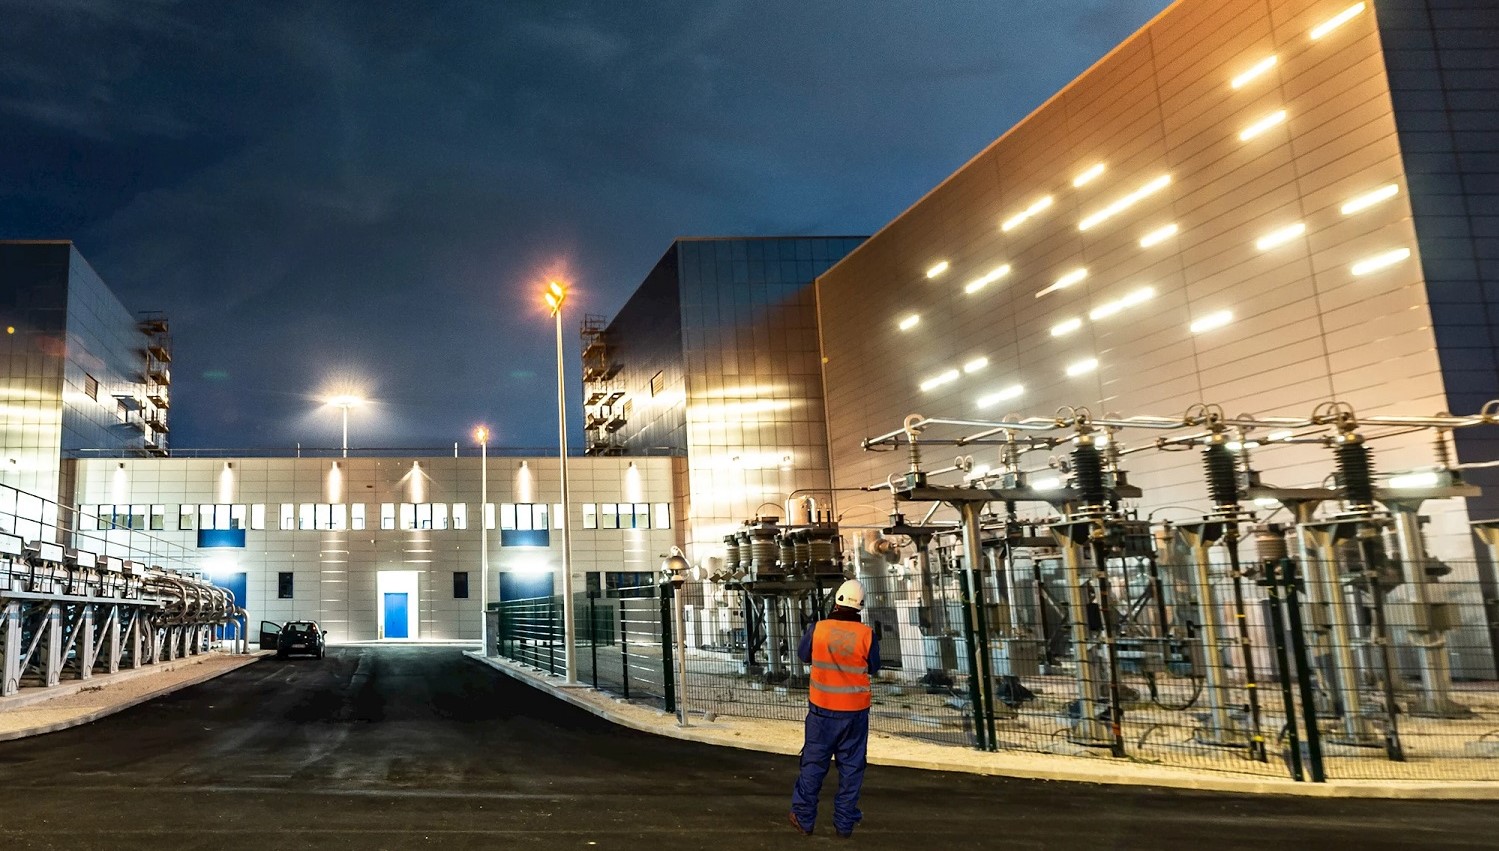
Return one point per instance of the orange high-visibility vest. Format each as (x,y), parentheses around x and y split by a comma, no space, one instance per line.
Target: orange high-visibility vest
(840,665)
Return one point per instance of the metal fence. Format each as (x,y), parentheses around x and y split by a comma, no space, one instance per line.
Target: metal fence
(1281,669)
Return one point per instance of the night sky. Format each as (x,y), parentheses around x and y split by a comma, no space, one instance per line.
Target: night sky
(369,194)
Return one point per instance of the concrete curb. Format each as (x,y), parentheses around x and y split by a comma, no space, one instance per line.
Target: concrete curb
(1116,775)
(104,712)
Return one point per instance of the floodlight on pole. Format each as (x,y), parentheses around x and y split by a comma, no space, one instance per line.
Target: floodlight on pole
(345,401)
(555,295)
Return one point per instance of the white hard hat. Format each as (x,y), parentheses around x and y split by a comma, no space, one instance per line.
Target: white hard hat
(850,594)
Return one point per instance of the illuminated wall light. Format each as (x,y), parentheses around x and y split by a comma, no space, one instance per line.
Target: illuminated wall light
(1280,236)
(1211,321)
(1019,218)
(908,322)
(937,381)
(1123,203)
(1065,281)
(975,365)
(1159,235)
(937,269)
(1066,326)
(985,280)
(1262,125)
(1253,71)
(1414,481)
(1380,261)
(1369,199)
(1008,393)
(1088,175)
(1336,21)
(1107,309)
(1082,367)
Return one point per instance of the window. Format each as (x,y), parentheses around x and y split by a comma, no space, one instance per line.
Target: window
(306,516)
(387,515)
(102,515)
(460,515)
(642,515)
(557,515)
(629,584)
(288,516)
(590,516)
(489,515)
(356,517)
(322,515)
(460,585)
(663,515)
(658,382)
(257,516)
(609,515)
(237,517)
(424,515)
(122,412)
(408,515)
(507,516)
(91,387)
(205,517)
(158,518)
(539,516)
(185,517)
(283,586)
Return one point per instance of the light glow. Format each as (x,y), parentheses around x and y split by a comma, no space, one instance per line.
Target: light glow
(1336,21)
(1159,235)
(1380,261)
(1008,393)
(937,381)
(1280,236)
(1124,202)
(1020,218)
(937,269)
(909,322)
(1088,175)
(1211,321)
(985,280)
(1066,326)
(1254,71)
(1107,309)
(1049,483)
(1412,481)
(975,365)
(1065,281)
(1262,125)
(1283,434)
(345,400)
(1082,367)
(1369,199)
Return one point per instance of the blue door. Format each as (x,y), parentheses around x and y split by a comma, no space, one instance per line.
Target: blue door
(395,615)
(234,583)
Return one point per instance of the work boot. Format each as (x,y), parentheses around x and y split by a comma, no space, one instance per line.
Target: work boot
(798,825)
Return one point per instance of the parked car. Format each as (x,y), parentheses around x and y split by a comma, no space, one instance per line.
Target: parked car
(293,637)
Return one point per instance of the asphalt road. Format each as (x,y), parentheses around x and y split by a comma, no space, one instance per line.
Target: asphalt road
(408,747)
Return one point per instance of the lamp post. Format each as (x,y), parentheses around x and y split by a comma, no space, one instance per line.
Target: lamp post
(675,568)
(345,402)
(482,435)
(555,295)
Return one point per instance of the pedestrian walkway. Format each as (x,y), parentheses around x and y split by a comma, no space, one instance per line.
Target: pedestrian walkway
(785,737)
(36,711)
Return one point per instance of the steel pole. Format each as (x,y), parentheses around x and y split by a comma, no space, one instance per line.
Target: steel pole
(569,632)
(681,653)
(346,430)
(484,545)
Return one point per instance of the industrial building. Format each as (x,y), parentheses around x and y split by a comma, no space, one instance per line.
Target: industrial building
(715,358)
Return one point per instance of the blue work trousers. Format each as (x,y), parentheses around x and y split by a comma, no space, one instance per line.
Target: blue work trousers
(840,735)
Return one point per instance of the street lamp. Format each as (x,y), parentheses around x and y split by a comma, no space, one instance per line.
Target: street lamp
(481,434)
(555,294)
(345,401)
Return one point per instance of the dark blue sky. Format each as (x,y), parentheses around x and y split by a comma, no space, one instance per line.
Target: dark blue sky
(370,192)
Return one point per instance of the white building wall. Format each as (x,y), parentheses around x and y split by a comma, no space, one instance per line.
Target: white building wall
(335,572)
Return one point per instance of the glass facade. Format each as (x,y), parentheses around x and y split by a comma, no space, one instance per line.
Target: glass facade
(717,356)
(74,367)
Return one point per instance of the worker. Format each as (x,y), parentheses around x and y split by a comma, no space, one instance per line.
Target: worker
(843,654)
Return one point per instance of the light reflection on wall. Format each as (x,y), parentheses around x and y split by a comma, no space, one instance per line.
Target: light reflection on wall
(525,484)
(335,483)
